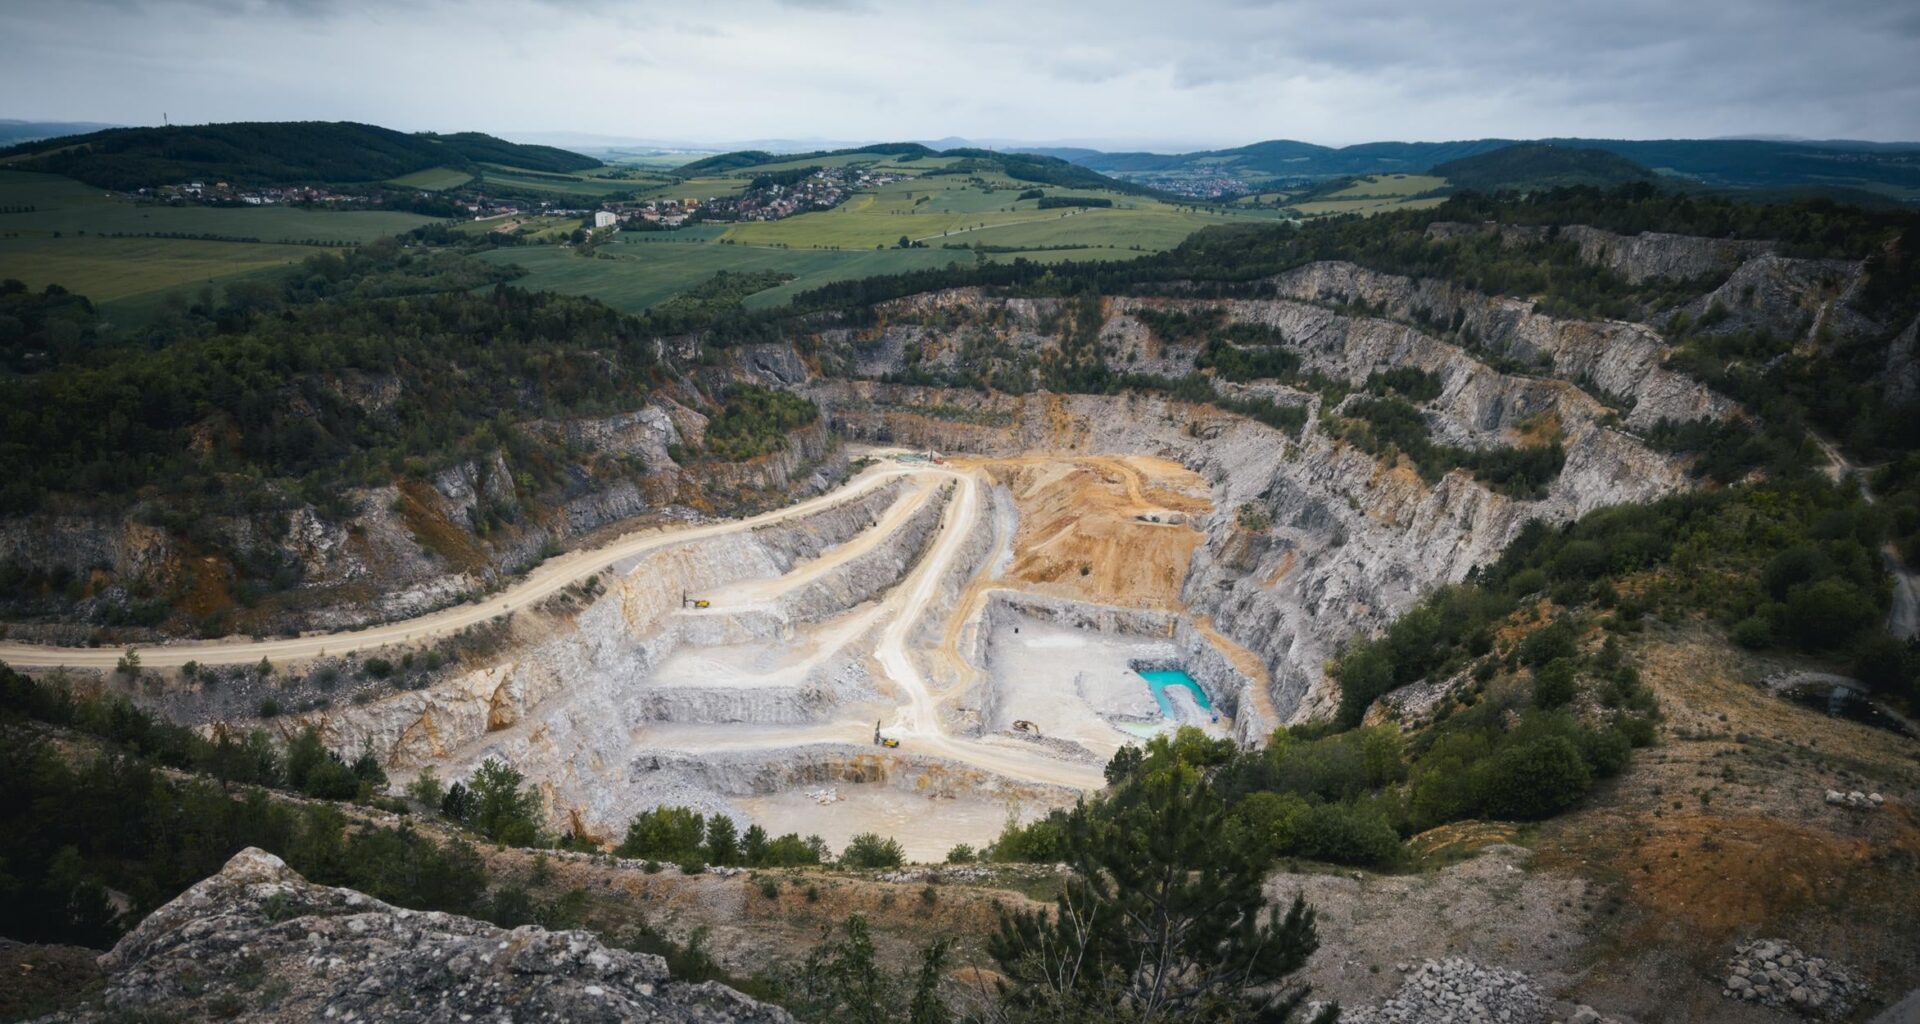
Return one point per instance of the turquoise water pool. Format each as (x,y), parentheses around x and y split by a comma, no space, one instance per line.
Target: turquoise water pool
(1159,681)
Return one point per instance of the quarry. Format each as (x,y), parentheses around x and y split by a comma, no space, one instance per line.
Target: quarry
(938,609)
(920,655)
(972,599)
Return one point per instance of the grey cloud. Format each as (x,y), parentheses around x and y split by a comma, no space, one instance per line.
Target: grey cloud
(1229,71)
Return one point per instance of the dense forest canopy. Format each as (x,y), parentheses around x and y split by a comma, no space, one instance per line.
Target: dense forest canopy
(263,385)
(1535,165)
(272,153)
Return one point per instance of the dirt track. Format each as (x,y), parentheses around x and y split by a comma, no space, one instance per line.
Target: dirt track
(543,582)
(1080,510)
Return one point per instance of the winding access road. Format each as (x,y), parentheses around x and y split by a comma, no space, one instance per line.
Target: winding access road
(917,720)
(545,580)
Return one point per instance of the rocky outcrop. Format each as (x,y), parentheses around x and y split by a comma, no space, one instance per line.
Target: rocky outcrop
(1623,361)
(1352,541)
(1794,298)
(257,943)
(1648,255)
(1903,366)
(375,554)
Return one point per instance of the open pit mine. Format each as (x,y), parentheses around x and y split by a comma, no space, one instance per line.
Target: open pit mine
(985,595)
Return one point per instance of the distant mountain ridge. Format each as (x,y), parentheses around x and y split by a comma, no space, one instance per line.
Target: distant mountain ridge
(1888,167)
(273,153)
(15,131)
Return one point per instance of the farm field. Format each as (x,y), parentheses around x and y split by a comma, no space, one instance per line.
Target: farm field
(584,183)
(633,276)
(943,208)
(860,238)
(107,270)
(66,207)
(1375,194)
(1332,207)
(99,244)
(433,179)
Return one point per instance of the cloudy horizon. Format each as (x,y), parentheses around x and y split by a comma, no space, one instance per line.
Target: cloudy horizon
(1214,73)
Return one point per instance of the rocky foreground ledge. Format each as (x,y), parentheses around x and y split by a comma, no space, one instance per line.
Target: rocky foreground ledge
(258,943)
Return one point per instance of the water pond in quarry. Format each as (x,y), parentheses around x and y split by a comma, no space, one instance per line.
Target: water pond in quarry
(1158,680)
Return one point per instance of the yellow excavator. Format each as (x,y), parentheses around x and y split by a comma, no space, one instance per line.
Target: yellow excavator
(884,741)
(693,602)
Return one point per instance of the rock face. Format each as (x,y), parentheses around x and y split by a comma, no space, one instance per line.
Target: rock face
(1352,540)
(1637,258)
(258,943)
(404,549)
(1617,359)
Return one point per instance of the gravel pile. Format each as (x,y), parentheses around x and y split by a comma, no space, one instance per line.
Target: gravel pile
(1457,991)
(1772,972)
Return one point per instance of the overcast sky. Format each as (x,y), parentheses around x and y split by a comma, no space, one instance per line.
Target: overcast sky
(1162,74)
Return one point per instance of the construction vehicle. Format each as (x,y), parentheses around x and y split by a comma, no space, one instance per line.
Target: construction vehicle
(693,602)
(884,741)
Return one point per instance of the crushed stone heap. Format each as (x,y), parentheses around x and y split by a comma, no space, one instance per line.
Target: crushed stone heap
(1776,973)
(258,943)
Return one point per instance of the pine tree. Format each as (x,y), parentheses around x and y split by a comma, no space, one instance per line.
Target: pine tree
(1163,920)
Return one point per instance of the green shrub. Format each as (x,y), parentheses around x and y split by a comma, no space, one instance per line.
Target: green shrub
(665,833)
(1553,684)
(1754,633)
(1042,841)
(1534,780)
(1829,613)
(1347,834)
(869,850)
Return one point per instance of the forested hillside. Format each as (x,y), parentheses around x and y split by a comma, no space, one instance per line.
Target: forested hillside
(270,153)
(1533,165)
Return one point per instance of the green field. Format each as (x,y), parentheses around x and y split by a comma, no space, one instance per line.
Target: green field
(860,238)
(65,232)
(582,184)
(433,179)
(111,269)
(1374,193)
(67,207)
(945,209)
(634,273)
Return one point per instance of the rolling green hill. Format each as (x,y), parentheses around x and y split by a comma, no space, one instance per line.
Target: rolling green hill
(1537,165)
(271,153)
(482,148)
(1031,167)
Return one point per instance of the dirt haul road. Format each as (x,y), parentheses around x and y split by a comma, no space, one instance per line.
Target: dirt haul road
(918,720)
(549,578)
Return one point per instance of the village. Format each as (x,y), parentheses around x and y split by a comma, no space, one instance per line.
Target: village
(770,197)
(220,193)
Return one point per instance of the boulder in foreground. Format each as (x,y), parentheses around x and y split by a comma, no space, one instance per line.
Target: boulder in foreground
(258,943)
